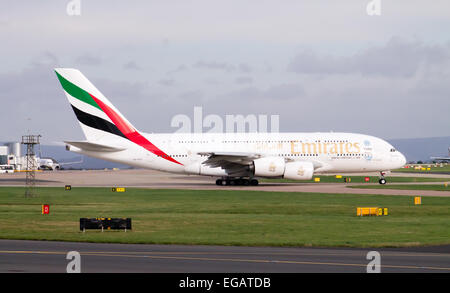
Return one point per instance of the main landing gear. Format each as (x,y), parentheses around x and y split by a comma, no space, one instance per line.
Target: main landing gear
(237,182)
(382,179)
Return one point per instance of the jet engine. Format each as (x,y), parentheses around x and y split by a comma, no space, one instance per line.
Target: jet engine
(269,167)
(299,171)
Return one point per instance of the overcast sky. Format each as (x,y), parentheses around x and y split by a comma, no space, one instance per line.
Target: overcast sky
(320,65)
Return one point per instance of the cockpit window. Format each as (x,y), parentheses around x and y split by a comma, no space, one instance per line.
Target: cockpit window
(393,150)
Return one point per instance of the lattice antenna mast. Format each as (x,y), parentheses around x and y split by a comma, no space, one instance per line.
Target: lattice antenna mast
(30,141)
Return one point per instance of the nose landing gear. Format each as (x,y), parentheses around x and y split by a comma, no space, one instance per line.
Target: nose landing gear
(382,179)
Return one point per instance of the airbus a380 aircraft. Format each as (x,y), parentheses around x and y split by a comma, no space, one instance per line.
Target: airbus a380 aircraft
(236,158)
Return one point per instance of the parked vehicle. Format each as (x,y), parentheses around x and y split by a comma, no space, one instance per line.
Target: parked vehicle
(6,169)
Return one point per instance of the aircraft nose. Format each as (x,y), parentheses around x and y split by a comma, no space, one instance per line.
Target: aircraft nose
(402,160)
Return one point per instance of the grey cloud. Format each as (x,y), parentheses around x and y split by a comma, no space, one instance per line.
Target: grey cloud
(243,80)
(309,62)
(132,66)
(213,65)
(165,42)
(180,68)
(285,91)
(398,57)
(47,58)
(268,67)
(35,101)
(245,68)
(121,91)
(275,93)
(384,106)
(87,59)
(167,82)
(212,81)
(223,66)
(194,95)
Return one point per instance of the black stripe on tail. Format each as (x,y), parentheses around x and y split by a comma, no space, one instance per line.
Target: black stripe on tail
(97,122)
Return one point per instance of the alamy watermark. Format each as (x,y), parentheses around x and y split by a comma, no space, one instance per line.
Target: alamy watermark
(74,266)
(374,266)
(374,8)
(73,8)
(213,123)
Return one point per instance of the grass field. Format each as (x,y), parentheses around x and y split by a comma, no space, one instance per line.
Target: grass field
(443,170)
(359,179)
(437,187)
(225,217)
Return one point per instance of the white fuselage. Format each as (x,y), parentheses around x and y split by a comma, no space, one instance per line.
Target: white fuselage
(328,152)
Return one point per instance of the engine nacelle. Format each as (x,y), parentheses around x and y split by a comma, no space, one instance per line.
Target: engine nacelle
(269,167)
(299,171)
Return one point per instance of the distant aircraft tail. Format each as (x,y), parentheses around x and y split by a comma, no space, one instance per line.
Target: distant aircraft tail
(99,119)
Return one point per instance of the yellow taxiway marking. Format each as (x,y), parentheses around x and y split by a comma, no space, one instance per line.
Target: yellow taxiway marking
(121,254)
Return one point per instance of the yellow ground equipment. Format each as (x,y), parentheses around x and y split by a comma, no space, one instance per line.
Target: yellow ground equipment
(371,211)
(417,200)
(118,189)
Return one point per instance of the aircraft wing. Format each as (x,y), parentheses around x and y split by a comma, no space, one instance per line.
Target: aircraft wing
(94,147)
(224,159)
(236,162)
(71,163)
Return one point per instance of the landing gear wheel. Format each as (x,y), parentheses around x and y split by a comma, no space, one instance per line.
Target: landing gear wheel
(254,182)
(221,182)
(382,179)
(237,182)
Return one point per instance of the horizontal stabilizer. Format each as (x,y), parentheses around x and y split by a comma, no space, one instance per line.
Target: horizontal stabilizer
(94,147)
(441,158)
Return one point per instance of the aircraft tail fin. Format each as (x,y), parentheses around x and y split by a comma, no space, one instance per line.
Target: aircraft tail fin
(98,117)
(100,121)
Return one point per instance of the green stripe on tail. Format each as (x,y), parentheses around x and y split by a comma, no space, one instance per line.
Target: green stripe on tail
(77,92)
